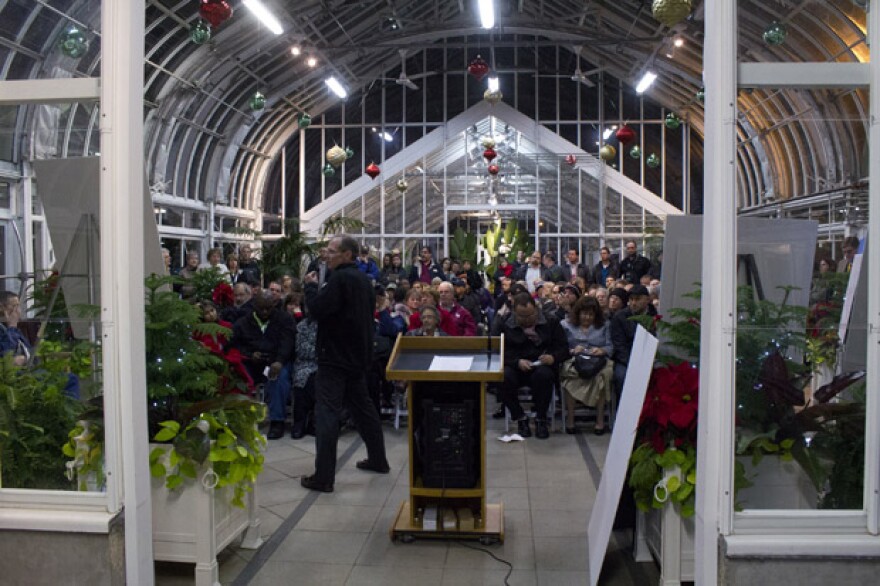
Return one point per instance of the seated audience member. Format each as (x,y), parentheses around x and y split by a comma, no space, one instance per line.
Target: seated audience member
(568,295)
(534,349)
(236,275)
(506,309)
(217,344)
(276,292)
(645,280)
(532,273)
(611,283)
(266,338)
(623,332)
(601,295)
(430,317)
(293,304)
(617,300)
(305,365)
(587,333)
(395,271)
(552,272)
(13,341)
(504,270)
(462,322)
(502,288)
(242,303)
(467,298)
(366,264)
(388,327)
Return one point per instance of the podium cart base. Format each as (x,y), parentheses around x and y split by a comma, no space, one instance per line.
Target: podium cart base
(491,531)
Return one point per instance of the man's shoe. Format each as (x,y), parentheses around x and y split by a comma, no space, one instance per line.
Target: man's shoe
(276,430)
(541,429)
(524,429)
(313,484)
(367,465)
(498,413)
(298,431)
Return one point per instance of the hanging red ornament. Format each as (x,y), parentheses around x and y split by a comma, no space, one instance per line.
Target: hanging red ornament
(493,169)
(373,170)
(490,154)
(215,11)
(625,135)
(571,160)
(478,68)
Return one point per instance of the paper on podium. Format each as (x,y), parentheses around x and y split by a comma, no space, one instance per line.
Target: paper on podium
(452,363)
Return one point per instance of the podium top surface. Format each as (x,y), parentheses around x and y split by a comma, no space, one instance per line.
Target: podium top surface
(447,358)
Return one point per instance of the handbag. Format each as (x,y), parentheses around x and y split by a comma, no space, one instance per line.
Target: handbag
(588,365)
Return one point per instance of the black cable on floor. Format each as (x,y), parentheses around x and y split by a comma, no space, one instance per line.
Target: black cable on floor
(494,557)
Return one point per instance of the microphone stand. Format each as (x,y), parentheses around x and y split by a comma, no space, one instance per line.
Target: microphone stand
(485,319)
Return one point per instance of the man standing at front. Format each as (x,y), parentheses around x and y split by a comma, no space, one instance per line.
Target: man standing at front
(343,308)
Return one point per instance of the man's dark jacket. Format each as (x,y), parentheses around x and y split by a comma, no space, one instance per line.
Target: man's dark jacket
(612,271)
(343,308)
(623,333)
(276,344)
(633,267)
(517,345)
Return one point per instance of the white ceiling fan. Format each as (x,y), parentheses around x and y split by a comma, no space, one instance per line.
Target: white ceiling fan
(403,79)
(579,75)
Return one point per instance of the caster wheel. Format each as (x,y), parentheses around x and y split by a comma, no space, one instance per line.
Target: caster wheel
(406,538)
(487,540)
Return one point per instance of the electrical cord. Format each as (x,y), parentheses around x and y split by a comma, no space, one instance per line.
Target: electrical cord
(492,555)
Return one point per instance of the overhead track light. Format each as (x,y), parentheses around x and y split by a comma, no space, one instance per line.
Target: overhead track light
(487,13)
(646,81)
(336,87)
(262,13)
(493,83)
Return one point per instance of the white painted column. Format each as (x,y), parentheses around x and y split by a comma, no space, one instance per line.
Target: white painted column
(122,274)
(715,453)
(872,415)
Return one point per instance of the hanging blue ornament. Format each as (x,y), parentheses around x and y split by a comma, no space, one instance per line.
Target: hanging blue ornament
(775,34)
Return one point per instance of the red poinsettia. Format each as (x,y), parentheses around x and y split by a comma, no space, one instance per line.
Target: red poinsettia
(669,415)
(222,296)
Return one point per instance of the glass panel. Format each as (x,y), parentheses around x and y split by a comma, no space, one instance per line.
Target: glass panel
(833,30)
(50,347)
(8,115)
(5,195)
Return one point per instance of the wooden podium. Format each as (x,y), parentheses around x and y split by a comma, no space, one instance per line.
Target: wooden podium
(446,388)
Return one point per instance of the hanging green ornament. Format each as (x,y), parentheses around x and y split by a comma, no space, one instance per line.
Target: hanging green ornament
(653,161)
(349,153)
(257,101)
(672,121)
(328,170)
(775,34)
(304,120)
(200,32)
(701,95)
(73,42)
(635,152)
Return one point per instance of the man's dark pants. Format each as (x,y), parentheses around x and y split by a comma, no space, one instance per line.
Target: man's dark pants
(336,388)
(540,379)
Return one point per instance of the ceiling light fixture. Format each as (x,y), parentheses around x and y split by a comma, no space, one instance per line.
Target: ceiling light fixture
(336,87)
(487,13)
(646,81)
(678,42)
(493,83)
(295,50)
(311,61)
(262,13)
(387,137)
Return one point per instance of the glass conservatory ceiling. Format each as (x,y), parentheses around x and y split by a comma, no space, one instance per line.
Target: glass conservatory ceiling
(196,96)
(447,165)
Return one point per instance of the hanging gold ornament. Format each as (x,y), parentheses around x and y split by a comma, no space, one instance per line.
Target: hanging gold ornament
(493,97)
(488,142)
(607,153)
(402,185)
(671,12)
(336,155)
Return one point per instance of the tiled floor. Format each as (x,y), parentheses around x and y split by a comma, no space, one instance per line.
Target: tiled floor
(343,537)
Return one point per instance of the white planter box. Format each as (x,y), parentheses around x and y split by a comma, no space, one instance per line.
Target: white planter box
(663,535)
(194,523)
